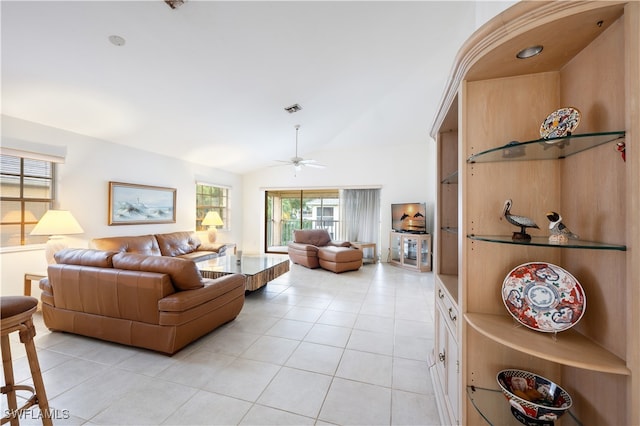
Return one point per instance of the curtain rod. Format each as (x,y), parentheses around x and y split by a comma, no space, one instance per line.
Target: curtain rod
(316,188)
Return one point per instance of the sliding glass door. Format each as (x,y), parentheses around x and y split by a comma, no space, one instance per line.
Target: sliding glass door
(299,209)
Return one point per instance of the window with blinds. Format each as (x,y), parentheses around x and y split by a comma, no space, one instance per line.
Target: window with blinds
(26,192)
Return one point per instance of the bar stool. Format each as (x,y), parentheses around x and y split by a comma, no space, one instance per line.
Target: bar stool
(16,315)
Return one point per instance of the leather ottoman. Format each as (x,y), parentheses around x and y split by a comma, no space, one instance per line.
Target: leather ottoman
(339,259)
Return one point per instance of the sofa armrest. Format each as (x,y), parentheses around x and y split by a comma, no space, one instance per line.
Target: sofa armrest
(213,288)
(214,247)
(303,247)
(46,296)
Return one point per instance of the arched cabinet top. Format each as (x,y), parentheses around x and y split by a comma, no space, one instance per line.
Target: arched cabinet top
(563,28)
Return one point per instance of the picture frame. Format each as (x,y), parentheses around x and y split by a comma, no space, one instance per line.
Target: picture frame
(134,204)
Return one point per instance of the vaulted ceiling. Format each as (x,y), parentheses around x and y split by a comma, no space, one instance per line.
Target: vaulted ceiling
(208,81)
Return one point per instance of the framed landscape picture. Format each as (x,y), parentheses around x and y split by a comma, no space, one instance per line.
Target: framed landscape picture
(131,204)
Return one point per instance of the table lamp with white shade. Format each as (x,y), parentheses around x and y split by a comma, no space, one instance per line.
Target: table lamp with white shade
(55,224)
(212,219)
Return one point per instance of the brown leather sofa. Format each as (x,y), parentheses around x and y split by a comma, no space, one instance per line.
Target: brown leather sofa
(155,302)
(186,245)
(314,248)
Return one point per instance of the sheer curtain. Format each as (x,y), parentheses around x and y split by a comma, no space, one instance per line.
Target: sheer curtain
(360,215)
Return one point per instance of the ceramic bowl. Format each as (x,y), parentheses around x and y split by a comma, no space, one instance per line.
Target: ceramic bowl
(534,396)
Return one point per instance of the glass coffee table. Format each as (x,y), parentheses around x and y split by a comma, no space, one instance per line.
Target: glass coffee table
(258,269)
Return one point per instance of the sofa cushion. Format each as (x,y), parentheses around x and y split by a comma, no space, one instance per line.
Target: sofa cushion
(316,237)
(85,257)
(184,273)
(177,243)
(142,244)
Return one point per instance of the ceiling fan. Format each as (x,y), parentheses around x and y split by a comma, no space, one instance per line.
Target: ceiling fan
(299,162)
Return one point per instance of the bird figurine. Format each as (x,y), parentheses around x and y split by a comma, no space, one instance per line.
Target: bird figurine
(521,221)
(559,233)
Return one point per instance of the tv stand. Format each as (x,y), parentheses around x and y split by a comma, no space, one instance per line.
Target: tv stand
(410,250)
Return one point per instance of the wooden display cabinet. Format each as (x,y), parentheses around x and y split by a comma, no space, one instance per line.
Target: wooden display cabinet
(591,61)
(411,251)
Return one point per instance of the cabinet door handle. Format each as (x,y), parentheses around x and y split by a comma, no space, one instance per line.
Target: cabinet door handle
(452,315)
(440,294)
(441,356)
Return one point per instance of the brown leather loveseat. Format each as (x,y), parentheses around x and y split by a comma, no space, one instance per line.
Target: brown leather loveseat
(154,302)
(314,248)
(183,244)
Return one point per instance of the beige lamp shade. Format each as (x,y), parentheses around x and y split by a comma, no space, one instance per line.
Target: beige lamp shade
(56,223)
(212,219)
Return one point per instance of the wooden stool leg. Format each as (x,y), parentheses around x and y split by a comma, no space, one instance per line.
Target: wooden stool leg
(26,337)
(8,389)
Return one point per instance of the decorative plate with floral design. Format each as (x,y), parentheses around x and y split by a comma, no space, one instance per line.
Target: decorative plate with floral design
(560,123)
(543,297)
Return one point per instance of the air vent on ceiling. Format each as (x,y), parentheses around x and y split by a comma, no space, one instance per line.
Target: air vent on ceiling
(174,4)
(293,108)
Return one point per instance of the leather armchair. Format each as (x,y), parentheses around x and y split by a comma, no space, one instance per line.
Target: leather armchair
(306,243)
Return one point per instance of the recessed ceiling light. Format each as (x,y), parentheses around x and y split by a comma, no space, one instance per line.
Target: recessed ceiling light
(529,52)
(117,40)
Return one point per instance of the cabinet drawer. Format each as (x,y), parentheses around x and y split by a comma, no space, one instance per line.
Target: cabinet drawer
(449,308)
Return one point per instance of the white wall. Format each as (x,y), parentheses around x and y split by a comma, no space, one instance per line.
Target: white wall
(487,9)
(83,185)
(404,172)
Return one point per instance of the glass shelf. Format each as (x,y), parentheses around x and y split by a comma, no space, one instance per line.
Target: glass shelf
(483,400)
(451,179)
(544,242)
(545,149)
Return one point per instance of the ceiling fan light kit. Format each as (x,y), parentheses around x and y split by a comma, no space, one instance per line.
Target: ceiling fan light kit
(298,162)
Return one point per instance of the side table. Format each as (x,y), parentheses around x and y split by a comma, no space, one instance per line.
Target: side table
(29,277)
(362,246)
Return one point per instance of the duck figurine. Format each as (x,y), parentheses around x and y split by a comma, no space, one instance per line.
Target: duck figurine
(559,233)
(521,221)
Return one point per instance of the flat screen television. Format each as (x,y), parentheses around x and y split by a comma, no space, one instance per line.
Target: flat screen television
(409,217)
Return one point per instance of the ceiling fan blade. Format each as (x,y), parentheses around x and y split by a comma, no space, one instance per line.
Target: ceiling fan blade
(299,162)
(315,165)
(283,163)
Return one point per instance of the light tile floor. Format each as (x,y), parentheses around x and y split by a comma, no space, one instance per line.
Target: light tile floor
(312,347)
